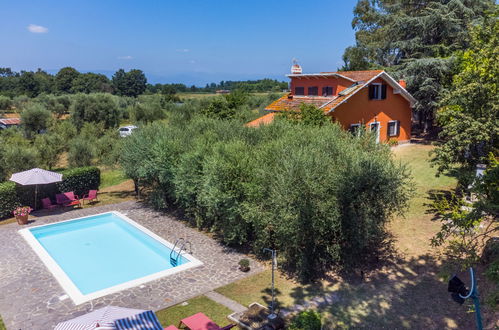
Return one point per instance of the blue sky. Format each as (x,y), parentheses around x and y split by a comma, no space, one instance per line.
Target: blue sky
(177,41)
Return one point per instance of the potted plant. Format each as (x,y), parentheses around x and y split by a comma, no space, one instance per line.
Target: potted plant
(244,265)
(21,213)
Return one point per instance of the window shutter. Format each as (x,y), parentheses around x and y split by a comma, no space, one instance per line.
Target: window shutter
(383,92)
(371,92)
(398,127)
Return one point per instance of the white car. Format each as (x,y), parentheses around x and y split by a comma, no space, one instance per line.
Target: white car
(126,130)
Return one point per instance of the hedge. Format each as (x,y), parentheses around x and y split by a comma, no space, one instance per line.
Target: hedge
(80,180)
(8,199)
(319,195)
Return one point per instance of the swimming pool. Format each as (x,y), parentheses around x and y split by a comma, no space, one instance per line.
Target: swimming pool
(101,254)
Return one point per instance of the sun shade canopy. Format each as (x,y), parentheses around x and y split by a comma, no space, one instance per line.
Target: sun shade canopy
(36,176)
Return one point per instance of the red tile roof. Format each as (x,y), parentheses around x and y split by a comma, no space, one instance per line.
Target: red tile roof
(358,75)
(264,120)
(290,102)
(286,103)
(10,121)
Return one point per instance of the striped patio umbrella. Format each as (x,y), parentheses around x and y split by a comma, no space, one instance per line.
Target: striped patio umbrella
(36,176)
(103,317)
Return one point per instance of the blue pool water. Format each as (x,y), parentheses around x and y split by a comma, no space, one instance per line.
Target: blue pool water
(102,251)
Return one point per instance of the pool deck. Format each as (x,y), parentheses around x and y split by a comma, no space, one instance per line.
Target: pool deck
(29,294)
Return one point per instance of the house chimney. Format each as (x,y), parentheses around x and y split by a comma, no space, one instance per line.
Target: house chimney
(296,68)
(402,83)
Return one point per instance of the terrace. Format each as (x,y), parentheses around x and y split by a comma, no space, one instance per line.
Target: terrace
(33,299)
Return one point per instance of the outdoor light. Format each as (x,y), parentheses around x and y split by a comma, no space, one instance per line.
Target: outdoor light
(272,315)
(457,289)
(460,293)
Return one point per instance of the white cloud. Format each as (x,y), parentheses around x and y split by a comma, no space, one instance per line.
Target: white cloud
(183,50)
(128,57)
(33,28)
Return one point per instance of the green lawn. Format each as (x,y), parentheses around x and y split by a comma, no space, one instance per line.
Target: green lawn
(213,310)
(257,288)
(111,177)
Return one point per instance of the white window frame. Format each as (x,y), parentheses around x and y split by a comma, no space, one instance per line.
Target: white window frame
(357,126)
(397,124)
(378,130)
(379,92)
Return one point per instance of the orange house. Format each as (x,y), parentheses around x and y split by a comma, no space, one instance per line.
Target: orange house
(372,99)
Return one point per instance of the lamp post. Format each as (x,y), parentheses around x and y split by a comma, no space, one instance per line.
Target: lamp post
(460,294)
(272,315)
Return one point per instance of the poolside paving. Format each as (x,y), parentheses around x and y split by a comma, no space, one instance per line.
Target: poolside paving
(30,295)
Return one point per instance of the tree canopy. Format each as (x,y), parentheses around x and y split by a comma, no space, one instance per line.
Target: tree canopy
(414,40)
(132,83)
(470,117)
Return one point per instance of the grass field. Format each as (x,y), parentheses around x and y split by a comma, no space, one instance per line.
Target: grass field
(215,311)
(405,292)
(185,96)
(111,177)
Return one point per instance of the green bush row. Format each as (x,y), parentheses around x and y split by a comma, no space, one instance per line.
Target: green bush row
(318,195)
(79,180)
(8,199)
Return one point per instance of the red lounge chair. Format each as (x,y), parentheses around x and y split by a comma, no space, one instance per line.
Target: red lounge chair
(200,321)
(92,195)
(67,199)
(171,327)
(47,204)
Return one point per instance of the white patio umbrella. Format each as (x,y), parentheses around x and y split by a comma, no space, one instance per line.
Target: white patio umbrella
(103,317)
(36,176)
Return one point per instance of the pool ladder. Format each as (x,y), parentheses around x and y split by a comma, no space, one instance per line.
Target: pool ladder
(174,256)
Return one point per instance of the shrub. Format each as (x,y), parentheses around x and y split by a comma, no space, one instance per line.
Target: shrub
(80,180)
(317,194)
(244,265)
(492,272)
(219,109)
(81,153)
(50,147)
(34,119)
(306,320)
(95,108)
(5,102)
(8,199)
(146,112)
(17,158)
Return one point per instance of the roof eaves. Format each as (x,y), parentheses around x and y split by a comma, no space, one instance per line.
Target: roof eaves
(399,88)
(390,80)
(320,75)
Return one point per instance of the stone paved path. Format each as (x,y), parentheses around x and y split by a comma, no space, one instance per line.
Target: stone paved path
(227,302)
(29,293)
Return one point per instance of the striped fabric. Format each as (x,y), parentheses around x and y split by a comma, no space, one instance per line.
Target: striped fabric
(101,318)
(143,321)
(75,326)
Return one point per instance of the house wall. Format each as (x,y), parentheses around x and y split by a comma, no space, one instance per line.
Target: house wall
(338,84)
(360,109)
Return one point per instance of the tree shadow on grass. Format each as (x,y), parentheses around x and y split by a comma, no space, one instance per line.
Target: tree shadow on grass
(405,294)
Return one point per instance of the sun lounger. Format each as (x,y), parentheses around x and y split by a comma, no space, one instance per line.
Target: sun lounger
(200,321)
(91,196)
(67,199)
(47,204)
